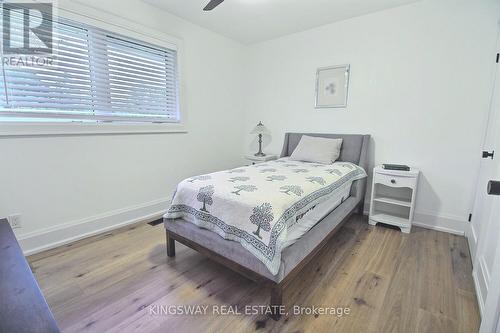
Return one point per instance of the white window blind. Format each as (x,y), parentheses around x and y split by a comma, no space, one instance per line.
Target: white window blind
(96,76)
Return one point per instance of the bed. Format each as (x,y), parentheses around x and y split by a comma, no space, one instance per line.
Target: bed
(295,251)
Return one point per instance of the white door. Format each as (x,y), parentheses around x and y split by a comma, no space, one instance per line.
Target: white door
(482,204)
(491,311)
(484,237)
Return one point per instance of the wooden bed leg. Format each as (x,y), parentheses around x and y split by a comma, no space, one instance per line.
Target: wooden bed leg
(276,301)
(170,245)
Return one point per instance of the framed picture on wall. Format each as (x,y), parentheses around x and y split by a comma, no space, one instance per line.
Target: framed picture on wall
(332,85)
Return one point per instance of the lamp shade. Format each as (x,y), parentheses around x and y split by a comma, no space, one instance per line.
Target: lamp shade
(260,129)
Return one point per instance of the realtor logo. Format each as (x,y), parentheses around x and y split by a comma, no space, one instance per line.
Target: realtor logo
(27,28)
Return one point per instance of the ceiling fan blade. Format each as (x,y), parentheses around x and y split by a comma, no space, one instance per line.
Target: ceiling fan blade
(212,4)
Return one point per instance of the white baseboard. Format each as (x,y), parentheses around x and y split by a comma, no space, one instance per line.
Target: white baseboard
(58,235)
(480,276)
(450,224)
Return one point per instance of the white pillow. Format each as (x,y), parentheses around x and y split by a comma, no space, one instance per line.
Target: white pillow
(317,150)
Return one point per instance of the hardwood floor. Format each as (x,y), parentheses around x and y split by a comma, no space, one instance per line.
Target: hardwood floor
(391,282)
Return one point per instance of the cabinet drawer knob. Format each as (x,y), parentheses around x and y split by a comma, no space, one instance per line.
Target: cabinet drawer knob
(393,181)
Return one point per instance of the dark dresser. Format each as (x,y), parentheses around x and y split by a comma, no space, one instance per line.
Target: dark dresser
(23,308)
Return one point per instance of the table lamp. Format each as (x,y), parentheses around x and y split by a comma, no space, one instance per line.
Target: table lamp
(260,129)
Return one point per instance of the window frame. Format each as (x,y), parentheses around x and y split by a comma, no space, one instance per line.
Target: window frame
(134,31)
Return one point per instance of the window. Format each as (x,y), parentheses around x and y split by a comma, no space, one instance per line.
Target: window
(96,76)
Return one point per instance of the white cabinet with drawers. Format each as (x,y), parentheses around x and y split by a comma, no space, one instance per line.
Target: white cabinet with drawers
(393,197)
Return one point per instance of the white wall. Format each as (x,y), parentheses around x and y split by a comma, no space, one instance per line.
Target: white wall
(421,78)
(67,186)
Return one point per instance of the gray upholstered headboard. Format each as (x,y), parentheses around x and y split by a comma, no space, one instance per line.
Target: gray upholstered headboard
(354,149)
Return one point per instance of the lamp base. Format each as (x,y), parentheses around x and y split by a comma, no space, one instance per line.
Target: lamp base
(260,153)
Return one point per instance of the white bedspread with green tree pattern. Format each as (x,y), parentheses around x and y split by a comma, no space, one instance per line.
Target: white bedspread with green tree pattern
(255,205)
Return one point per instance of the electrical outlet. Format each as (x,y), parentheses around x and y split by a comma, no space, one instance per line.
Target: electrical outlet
(15,221)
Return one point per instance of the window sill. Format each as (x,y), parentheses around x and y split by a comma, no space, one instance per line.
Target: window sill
(9,129)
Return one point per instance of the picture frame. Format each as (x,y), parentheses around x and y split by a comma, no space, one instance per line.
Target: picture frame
(332,86)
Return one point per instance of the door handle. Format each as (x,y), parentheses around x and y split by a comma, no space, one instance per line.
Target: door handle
(488,154)
(493,187)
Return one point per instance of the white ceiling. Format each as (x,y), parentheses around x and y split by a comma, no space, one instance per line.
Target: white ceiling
(251,21)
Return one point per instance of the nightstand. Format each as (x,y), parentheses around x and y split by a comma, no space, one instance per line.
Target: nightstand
(252,159)
(393,197)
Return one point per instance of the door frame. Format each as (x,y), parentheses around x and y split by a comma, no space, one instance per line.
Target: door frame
(470,234)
